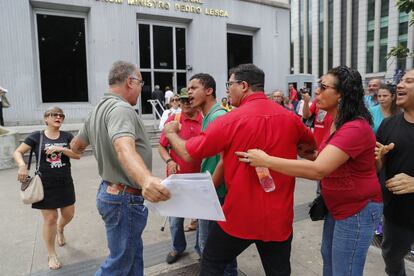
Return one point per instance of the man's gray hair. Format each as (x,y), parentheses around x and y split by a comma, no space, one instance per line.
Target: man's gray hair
(156,87)
(120,71)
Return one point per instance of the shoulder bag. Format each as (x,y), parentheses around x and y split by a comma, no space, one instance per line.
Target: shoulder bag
(318,209)
(5,102)
(31,190)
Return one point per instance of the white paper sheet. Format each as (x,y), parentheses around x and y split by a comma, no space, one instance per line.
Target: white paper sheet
(192,196)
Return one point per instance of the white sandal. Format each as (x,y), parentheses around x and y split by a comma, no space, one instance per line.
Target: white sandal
(56,264)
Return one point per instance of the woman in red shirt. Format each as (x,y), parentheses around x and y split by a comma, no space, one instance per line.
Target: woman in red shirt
(346,165)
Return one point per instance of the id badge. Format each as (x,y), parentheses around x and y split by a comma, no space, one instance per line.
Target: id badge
(111,190)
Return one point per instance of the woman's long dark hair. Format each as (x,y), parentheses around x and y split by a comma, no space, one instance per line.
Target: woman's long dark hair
(391,88)
(351,105)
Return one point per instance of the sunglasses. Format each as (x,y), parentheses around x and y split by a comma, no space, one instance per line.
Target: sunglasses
(175,100)
(323,86)
(57,115)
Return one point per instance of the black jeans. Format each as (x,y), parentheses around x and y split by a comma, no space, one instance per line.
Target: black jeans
(396,244)
(222,248)
(1,115)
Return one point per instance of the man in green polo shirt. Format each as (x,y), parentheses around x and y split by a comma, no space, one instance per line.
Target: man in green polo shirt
(124,156)
(202,94)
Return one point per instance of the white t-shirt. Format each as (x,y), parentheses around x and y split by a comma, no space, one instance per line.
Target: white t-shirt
(168,95)
(167,113)
(299,108)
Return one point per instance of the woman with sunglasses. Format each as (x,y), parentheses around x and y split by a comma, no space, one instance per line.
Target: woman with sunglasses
(174,109)
(346,165)
(54,167)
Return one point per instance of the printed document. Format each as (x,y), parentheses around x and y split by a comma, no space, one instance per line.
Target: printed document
(192,196)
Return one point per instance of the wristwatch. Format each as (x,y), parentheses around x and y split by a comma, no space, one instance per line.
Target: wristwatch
(168,160)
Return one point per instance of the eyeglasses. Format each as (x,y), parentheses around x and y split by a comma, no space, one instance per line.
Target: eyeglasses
(229,83)
(57,115)
(141,82)
(174,100)
(323,86)
(184,100)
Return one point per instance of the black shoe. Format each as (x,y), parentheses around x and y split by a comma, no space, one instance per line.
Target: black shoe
(172,257)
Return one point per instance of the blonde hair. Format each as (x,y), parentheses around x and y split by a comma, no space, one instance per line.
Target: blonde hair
(50,110)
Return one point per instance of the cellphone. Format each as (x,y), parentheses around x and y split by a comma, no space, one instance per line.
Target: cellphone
(26,183)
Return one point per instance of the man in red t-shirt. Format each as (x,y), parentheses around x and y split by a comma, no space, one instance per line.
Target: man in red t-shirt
(252,215)
(190,121)
(293,96)
(322,121)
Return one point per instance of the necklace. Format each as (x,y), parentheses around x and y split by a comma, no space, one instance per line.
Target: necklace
(52,136)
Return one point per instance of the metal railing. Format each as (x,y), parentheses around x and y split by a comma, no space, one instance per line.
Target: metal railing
(155,113)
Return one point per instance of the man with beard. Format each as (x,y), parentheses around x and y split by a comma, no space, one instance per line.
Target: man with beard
(394,151)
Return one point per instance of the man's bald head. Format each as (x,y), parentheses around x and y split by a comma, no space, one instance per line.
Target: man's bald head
(373,86)
(277,96)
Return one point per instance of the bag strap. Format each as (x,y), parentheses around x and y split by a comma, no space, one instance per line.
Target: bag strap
(40,150)
(30,160)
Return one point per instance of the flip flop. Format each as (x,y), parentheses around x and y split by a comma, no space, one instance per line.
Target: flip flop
(55,262)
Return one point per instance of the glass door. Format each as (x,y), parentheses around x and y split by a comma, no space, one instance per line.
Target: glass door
(162,59)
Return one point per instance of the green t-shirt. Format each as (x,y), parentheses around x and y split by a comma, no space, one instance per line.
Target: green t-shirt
(209,164)
(112,118)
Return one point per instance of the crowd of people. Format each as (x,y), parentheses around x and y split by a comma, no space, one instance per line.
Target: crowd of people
(357,146)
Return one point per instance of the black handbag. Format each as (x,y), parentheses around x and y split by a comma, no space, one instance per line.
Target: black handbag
(318,209)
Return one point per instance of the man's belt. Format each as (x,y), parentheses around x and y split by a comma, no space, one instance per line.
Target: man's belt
(125,189)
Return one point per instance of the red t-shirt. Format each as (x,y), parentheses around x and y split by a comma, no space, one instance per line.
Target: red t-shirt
(258,123)
(189,128)
(293,95)
(349,188)
(322,125)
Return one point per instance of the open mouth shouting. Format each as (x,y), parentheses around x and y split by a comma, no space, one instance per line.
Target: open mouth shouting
(190,100)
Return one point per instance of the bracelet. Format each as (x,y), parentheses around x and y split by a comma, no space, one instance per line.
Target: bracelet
(168,160)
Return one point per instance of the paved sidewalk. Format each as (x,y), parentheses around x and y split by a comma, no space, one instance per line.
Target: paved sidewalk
(22,251)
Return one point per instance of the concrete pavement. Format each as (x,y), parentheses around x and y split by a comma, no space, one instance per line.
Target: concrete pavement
(22,251)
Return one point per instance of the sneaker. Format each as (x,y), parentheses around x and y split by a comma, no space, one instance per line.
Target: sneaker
(378,231)
(172,257)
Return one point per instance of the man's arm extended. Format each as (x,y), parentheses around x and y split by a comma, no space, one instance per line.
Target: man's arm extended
(176,142)
(218,175)
(134,166)
(306,113)
(77,145)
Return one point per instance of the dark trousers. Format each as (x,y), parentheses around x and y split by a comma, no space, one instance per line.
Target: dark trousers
(396,244)
(222,248)
(1,115)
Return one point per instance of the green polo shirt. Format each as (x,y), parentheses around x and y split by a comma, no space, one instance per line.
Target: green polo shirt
(113,118)
(209,164)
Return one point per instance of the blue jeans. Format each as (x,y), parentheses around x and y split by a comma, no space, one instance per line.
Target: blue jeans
(203,229)
(345,242)
(177,234)
(125,217)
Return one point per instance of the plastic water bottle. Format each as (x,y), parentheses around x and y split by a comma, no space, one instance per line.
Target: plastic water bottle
(265,179)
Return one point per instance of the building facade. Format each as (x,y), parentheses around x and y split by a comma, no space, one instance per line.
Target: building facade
(356,33)
(59,52)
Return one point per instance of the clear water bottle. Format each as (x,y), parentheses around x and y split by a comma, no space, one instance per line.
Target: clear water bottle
(265,179)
